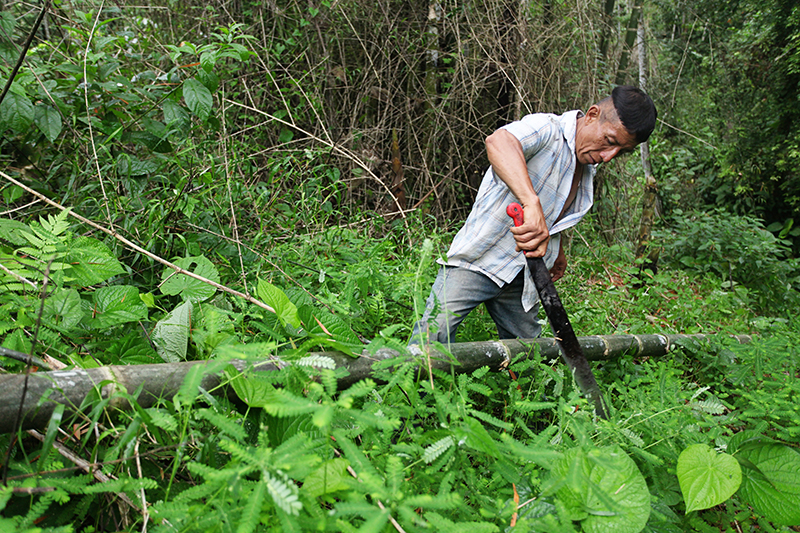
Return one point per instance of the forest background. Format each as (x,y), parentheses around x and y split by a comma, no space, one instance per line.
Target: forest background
(311,160)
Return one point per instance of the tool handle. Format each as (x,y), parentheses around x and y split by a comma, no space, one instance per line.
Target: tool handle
(514,210)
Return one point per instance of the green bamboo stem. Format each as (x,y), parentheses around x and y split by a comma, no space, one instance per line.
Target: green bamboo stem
(162,381)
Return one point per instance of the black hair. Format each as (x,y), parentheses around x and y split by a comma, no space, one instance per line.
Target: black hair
(635,110)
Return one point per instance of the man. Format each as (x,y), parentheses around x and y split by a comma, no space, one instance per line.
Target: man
(546,163)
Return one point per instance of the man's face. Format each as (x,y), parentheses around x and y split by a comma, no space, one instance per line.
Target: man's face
(601,137)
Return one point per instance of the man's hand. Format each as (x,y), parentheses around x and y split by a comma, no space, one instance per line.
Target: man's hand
(508,163)
(560,266)
(532,236)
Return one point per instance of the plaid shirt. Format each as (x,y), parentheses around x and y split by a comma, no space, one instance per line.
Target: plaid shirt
(485,243)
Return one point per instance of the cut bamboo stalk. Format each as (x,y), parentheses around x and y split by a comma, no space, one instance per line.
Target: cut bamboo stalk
(162,381)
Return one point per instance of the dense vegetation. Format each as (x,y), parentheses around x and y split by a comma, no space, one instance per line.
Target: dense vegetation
(310,162)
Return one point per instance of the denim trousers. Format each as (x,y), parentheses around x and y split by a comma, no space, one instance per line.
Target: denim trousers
(459,290)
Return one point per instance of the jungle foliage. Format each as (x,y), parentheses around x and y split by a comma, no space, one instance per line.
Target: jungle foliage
(310,161)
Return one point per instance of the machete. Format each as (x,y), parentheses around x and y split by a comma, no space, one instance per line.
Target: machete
(559,322)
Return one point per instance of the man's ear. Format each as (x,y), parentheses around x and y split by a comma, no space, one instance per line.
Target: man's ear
(593,113)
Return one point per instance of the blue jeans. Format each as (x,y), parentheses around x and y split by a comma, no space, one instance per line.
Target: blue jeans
(459,291)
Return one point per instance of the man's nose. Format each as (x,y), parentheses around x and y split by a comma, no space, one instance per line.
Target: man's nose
(608,155)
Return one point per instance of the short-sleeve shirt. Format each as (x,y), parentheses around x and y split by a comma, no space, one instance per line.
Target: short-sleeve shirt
(485,243)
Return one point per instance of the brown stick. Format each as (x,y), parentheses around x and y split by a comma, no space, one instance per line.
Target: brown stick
(138,248)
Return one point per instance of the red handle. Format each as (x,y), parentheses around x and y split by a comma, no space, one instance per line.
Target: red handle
(514,210)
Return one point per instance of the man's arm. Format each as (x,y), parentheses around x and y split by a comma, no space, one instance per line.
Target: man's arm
(508,161)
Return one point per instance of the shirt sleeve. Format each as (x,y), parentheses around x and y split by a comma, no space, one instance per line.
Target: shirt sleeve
(533,132)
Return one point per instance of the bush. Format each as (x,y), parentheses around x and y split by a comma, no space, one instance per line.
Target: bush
(738,249)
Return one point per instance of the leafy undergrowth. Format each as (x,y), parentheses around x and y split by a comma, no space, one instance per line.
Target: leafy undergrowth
(701,440)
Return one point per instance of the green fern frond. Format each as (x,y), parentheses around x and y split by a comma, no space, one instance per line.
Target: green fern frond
(317,361)
(436,449)
(711,406)
(525,406)
(251,514)
(481,372)
(225,424)
(480,388)
(633,437)
(244,458)
(362,388)
(199,492)
(121,485)
(283,403)
(443,525)
(208,472)
(394,473)
(284,493)
(486,417)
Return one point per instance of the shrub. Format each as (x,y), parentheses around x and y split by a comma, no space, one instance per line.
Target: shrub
(740,250)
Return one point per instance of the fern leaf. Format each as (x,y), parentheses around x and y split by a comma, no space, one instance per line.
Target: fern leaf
(225,424)
(482,371)
(528,407)
(633,437)
(362,388)
(436,449)
(252,510)
(712,406)
(317,361)
(282,403)
(491,420)
(199,492)
(480,388)
(284,493)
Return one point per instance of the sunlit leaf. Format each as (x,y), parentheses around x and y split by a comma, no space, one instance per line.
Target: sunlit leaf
(707,478)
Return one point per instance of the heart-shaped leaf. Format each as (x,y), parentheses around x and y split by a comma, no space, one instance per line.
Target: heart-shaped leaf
(707,478)
(774,488)
(603,489)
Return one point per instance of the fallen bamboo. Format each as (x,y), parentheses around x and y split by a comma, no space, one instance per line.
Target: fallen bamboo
(162,381)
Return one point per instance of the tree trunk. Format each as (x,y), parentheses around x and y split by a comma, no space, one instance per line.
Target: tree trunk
(630,39)
(115,384)
(650,200)
(606,29)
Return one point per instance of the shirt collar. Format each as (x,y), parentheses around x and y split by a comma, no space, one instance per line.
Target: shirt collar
(569,125)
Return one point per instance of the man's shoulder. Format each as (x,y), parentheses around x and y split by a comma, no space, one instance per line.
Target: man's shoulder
(544,127)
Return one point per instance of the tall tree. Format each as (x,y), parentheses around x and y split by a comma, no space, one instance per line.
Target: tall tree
(650,200)
(630,39)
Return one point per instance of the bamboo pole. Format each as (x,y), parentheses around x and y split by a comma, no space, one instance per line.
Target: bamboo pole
(162,381)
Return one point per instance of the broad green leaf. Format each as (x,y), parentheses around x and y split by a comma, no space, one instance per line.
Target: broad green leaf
(171,334)
(277,299)
(63,309)
(603,488)
(115,305)
(198,98)
(773,489)
(329,477)
(16,112)
(252,390)
(133,166)
(91,262)
(153,142)
(476,437)
(48,120)
(707,478)
(209,79)
(208,59)
(12,193)
(190,288)
(7,23)
(175,115)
